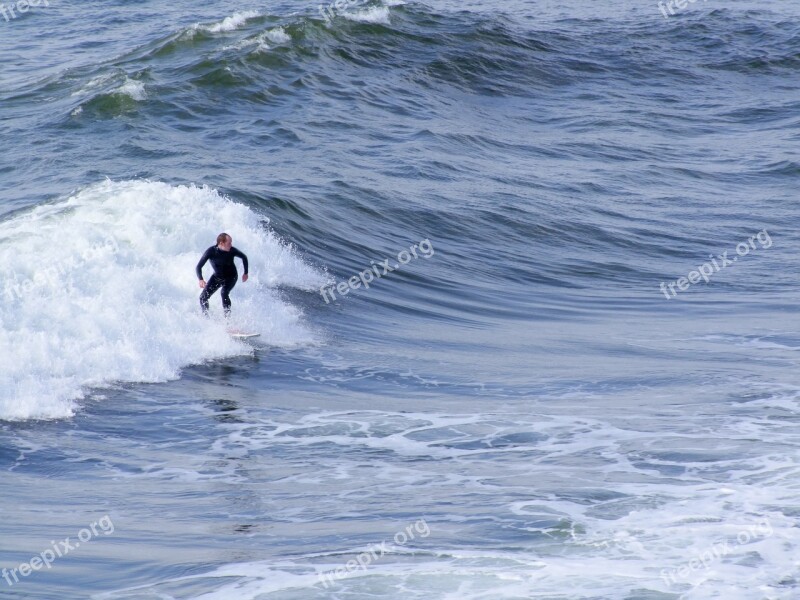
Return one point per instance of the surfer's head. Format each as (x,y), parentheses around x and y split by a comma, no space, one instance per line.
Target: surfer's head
(224,241)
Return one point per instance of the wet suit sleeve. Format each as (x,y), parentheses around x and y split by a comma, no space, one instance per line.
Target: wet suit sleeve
(243,256)
(203,261)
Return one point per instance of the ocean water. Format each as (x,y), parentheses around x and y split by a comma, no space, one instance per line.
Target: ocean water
(524,275)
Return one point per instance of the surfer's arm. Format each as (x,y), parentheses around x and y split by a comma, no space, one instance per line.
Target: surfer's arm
(243,256)
(202,263)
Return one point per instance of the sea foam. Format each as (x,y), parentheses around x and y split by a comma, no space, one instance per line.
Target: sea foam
(373,14)
(232,23)
(100,288)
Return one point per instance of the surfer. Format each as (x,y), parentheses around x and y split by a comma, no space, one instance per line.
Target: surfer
(225,273)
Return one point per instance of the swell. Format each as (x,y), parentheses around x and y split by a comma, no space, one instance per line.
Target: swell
(485,55)
(291,84)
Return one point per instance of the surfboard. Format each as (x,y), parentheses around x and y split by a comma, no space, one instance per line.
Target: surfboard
(242,335)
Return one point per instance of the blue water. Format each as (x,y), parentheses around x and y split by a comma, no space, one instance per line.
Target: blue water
(540,397)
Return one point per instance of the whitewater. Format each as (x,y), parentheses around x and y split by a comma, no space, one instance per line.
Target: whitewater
(98,291)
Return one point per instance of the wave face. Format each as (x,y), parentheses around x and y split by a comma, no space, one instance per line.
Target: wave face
(98,289)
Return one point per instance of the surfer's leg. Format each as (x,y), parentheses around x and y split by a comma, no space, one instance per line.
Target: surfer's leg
(227,286)
(212,285)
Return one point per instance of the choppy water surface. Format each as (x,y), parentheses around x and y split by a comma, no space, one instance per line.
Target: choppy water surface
(573,379)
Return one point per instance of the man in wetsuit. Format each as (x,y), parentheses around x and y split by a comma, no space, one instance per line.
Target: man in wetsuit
(225,274)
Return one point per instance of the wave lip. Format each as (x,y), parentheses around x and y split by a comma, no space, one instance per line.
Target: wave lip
(231,23)
(276,35)
(133,89)
(100,288)
(373,14)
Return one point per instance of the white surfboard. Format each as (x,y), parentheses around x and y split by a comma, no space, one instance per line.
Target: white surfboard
(242,335)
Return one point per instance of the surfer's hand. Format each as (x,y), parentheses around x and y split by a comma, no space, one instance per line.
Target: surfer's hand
(244,277)
(202,283)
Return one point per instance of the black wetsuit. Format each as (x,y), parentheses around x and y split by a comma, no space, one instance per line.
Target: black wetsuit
(225,275)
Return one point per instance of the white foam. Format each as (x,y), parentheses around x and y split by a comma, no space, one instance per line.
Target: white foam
(678,533)
(125,86)
(93,84)
(278,36)
(594,521)
(100,288)
(232,23)
(373,14)
(133,89)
